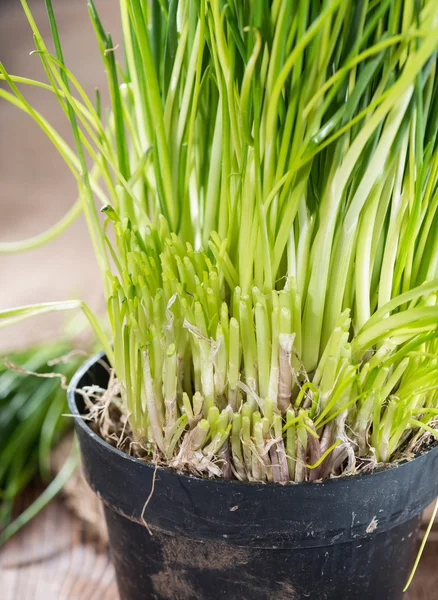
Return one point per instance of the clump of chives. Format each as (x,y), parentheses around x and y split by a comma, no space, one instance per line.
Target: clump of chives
(271,175)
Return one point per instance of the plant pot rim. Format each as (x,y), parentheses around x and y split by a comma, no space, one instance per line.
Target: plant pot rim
(150,465)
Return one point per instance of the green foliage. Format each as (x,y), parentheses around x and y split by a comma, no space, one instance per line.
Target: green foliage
(270,170)
(32,421)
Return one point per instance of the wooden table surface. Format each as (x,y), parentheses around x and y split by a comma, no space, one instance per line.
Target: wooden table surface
(53,558)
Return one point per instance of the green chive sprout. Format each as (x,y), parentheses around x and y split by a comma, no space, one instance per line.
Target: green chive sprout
(270,171)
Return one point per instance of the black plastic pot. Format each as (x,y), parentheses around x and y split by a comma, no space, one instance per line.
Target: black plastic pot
(344,539)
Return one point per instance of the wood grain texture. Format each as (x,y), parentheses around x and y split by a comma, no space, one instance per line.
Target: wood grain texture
(425,584)
(54,558)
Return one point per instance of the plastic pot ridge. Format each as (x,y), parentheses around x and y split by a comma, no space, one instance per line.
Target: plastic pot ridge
(351,538)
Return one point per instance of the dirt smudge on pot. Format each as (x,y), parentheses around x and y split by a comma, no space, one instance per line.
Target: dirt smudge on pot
(373,525)
(198,554)
(284,592)
(174,584)
(183,556)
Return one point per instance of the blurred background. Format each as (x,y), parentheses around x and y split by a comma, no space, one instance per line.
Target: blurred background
(58,556)
(36,187)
